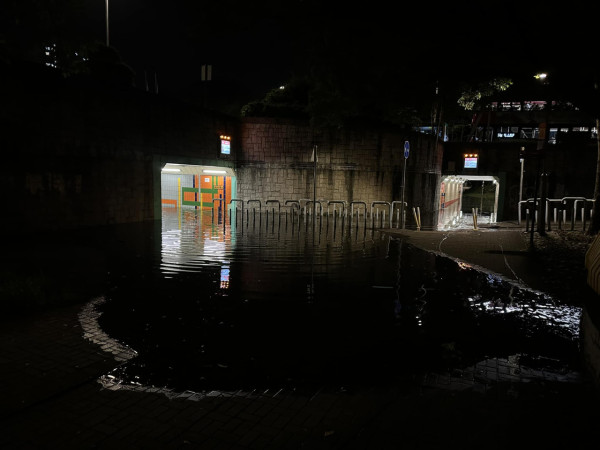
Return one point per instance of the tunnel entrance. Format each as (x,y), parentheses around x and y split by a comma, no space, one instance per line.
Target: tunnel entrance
(196,187)
(462,196)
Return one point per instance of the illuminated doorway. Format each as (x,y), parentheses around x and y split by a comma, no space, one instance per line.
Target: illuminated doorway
(197,187)
(462,196)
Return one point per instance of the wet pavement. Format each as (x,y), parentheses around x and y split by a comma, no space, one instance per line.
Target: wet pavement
(52,397)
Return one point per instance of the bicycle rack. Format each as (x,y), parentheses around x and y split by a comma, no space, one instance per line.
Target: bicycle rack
(254,209)
(337,202)
(237,200)
(400,219)
(278,205)
(316,202)
(357,211)
(381,203)
(303,207)
(290,204)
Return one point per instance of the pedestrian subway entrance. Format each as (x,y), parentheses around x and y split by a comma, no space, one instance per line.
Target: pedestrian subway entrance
(472,196)
(271,305)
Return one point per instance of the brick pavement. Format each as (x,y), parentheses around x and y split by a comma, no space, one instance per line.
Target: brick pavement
(52,397)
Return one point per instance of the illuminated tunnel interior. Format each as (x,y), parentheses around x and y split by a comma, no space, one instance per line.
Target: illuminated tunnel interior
(461,196)
(197,187)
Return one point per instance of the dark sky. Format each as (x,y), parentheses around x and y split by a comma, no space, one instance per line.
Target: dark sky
(255,46)
(251,47)
(260,42)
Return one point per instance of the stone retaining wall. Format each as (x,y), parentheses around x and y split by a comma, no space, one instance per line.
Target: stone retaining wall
(275,163)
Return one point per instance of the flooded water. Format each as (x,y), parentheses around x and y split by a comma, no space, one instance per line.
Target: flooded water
(282,302)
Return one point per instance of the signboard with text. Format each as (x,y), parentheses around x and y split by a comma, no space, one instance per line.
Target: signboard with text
(470,162)
(225,147)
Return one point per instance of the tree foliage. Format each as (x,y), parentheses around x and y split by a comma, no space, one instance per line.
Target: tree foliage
(472,96)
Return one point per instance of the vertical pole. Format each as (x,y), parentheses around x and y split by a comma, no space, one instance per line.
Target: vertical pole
(534,208)
(543,210)
(403,189)
(521,182)
(314,188)
(481,200)
(200,195)
(496,202)
(107,41)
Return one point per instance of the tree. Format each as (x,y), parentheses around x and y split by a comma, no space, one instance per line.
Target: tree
(472,97)
(290,100)
(102,64)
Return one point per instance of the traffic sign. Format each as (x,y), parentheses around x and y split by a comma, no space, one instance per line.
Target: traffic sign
(406,148)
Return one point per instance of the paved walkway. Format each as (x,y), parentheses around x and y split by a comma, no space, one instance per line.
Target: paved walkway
(502,248)
(51,397)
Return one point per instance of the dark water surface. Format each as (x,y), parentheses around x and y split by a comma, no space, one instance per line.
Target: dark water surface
(265,303)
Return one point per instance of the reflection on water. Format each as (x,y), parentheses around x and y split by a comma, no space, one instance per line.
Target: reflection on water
(281,301)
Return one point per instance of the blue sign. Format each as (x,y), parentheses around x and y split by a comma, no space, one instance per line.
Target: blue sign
(406,148)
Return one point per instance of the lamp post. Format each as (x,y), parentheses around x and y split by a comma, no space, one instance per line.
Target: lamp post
(107,41)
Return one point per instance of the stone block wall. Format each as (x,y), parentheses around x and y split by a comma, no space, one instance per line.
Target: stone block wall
(275,163)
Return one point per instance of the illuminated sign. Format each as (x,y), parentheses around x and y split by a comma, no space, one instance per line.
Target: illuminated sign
(225,145)
(471,160)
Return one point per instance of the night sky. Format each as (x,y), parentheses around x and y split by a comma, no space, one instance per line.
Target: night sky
(256,46)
